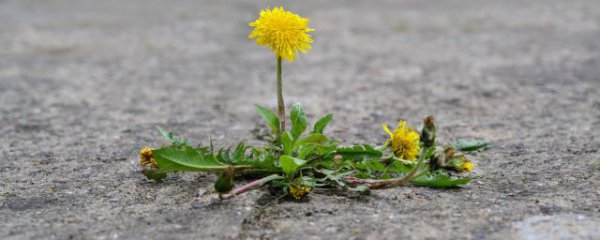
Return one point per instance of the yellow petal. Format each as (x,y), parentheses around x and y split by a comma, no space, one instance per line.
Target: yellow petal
(385,127)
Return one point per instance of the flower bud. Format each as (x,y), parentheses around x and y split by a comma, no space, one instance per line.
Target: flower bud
(460,164)
(224,182)
(428,132)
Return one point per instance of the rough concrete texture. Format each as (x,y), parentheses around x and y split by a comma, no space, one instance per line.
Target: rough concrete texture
(83,83)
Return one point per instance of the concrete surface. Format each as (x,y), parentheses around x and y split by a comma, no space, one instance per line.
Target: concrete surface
(83,83)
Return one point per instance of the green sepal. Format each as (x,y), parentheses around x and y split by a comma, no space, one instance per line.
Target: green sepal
(224,182)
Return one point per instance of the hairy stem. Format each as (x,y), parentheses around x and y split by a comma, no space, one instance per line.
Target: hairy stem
(250,186)
(280,103)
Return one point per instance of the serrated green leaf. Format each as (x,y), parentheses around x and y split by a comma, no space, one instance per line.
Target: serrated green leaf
(270,118)
(263,160)
(223,156)
(185,158)
(154,174)
(298,119)
(440,179)
(226,155)
(211,147)
(322,123)
(359,152)
(290,165)
(371,168)
(239,152)
(465,145)
(172,138)
(334,177)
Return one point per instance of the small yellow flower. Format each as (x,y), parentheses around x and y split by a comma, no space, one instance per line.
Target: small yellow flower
(460,163)
(404,141)
(298,191)
(467,166)
(284,32)
(146,157)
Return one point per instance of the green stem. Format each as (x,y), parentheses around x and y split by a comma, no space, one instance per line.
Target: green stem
(384,146)
(280,103)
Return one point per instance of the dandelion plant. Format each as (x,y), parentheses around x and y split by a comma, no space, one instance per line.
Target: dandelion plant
(301,158)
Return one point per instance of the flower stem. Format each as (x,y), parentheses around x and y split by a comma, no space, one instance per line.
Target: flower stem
(280,103)
(245,188)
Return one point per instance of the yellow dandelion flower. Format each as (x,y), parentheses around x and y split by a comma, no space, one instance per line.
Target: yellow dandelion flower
(298,191)
(284,32)
(146,157)
(404,141)
(467,166)
(460,163)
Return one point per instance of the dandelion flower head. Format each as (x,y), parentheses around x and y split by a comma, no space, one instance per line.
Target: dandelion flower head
(467,166)
(404,141)
(147,157)
(284,32)
(298,191)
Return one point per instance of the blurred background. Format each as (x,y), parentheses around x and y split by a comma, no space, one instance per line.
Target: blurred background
(157,61)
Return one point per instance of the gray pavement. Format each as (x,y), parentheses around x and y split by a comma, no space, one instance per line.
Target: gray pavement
(83,83)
